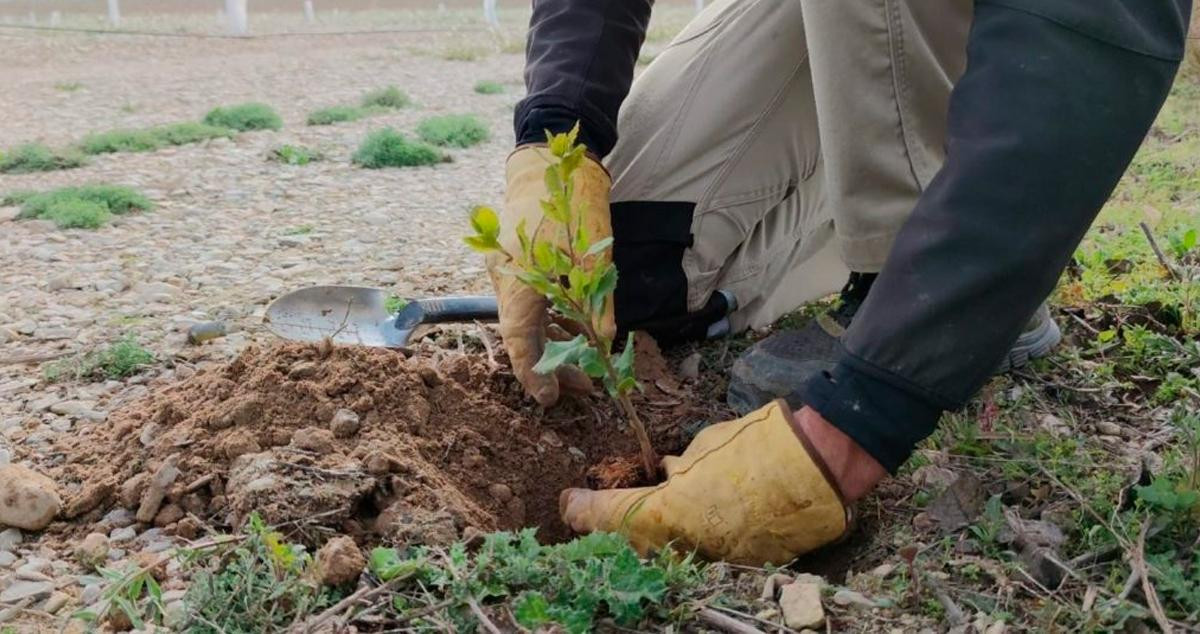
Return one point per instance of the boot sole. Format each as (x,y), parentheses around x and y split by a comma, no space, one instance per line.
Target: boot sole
(1033,344)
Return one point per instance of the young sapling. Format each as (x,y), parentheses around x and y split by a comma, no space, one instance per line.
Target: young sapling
(559,260)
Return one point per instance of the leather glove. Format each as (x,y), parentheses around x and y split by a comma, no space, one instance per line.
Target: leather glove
(524,313)
(746,491)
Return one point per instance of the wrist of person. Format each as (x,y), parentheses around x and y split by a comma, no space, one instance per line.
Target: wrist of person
(850,469)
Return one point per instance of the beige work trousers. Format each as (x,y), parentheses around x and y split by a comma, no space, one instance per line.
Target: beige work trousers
(803,130)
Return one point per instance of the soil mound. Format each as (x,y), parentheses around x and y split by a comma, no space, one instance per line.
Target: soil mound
(363,441)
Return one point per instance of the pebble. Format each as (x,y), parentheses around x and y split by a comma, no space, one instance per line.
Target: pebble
(345,423)
(1108,428)
(56,602)
(848,598)
(90,594)
(7,558)
(92,551)
(22,590)
(500,491)
(122,534)
(9,538)
(801,605)
(28,499)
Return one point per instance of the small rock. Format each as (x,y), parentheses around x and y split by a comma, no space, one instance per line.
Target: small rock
(122,534)
(500,491)
(1108,428)
(9,538)
(157,489)
(56,602)
(339,561)
(206,331)
(801,605)
(313,439)
(882,570)
(92,495)
(119,517)
(303,370)
(1054,425)
(167,515)
(850,598)
(689,368)
(132,490)
(92,552)
(22,590)
(90,594)
(28,500)
(7,558)
(344,424)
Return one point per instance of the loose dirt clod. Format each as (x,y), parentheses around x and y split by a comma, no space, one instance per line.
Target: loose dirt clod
(339,561)
(442,442)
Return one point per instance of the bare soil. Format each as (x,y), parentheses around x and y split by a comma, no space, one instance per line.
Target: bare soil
(445,443)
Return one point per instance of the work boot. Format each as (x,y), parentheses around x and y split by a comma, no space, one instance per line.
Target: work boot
(777,366)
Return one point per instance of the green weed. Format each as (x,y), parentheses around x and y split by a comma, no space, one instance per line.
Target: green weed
(394,304)
(116,361)
(566,586)
(390,97)
(119,199)
(132,594)
(335,114)
(488,87)
(68,86)
(299,230)
(187,132)
(120,141)
(16,197)
(296,155)
(35,157)
(456,130)
(244,117)
(388,148)
(464,53)
(75,213)
(260,585)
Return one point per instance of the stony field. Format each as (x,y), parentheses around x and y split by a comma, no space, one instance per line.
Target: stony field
(196,481)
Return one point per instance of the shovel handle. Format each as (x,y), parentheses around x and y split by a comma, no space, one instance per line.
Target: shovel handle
(456,309)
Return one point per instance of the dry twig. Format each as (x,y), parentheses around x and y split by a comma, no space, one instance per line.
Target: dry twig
(1162,258)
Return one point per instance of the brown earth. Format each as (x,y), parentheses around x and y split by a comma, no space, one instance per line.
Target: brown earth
(444,442)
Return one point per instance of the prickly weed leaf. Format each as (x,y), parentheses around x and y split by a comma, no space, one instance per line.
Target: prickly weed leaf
(532,610)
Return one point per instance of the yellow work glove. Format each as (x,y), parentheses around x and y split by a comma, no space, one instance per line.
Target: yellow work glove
(524,313)
(746,491)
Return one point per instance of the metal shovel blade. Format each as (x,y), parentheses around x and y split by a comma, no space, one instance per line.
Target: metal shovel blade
(358,315)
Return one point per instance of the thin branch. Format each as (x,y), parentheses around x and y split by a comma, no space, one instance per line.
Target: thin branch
(1162,258)
(726,623)
(1138,561)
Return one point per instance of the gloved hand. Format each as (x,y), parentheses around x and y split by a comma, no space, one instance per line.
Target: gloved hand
(746,491)
(524,313)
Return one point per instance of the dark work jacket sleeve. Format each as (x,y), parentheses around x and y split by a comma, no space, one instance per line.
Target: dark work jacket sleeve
(579,65)
(1056,98)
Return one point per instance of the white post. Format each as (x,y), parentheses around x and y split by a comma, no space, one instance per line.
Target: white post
(235,11)
(699,6)
(310,12)
(489,13)
(114,12)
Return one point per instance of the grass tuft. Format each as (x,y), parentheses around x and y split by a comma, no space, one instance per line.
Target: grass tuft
(390,97)
(457,130)
(187,132)
(335,114)
(295,155)
(245,117)
(388,148)
(488,87)
(35,157)
(120,141)
(16,197)
(116,361)
(85,207)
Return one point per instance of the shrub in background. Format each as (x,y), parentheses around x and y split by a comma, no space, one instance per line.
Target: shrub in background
(35,157)
(390,97)
(244,117)
(388,148)
(457,130)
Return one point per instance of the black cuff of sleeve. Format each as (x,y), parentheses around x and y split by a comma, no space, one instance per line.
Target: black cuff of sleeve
(532,127)
(885,420)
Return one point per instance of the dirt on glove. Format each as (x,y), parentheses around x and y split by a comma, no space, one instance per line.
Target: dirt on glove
(363,441)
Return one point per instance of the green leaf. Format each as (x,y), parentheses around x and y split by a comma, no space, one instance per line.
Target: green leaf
(523,237)
(532,610)
(599,246)
(624,363)
(544,257)
(603,287)
(558,353)
(485,221)
(482,244)
(591,363)
(1164,494)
